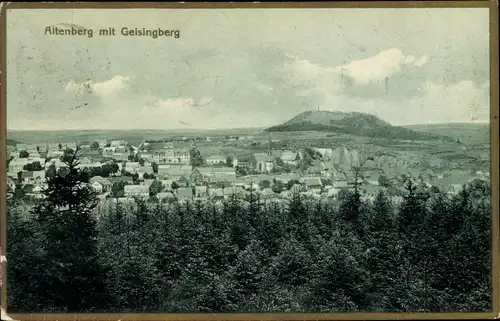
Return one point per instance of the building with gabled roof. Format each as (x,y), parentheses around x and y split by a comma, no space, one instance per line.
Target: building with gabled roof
(136,191)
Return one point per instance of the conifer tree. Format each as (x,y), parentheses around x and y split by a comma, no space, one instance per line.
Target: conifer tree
(72,275)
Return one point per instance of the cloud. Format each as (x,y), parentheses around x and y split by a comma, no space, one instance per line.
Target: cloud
(174,103)
(380,66)
(461,101)
(364,71)
(422,61)
(102,89)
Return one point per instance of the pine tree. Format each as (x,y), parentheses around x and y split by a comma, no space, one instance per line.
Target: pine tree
(65,219)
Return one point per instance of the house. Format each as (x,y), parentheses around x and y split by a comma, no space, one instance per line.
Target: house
(263,162)
(43,154)
(370,192)
(51,146)
(147,182)
(296,188)
(267,193)
(174,171)
(56,162)
(101,184)
(90,165)
(85,160)
(147,156)
(183,181)
(201,192)
(230,171)
(117,143)
(125,179)
(332,192)
(238,191)
(11,183)
(312,183)
(101,142)
(26,177)
(55,153)
(121,156)
(215,159)
(290,158)
(216,193)
(108,151)
(162,196)
(34,153)
(222,177)
(167,184)
(131,167)
(16,165)
(36,159)
(185,193)
(136,191)
(326,153)
(141,170)
(70,145)
(92,154)
(97,187)
(454,189)
(21,147)
(197,176)
(38,178)
(171,156)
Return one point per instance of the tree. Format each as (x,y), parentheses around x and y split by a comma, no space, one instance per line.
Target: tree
(229,161)
(155,167)
(265,184)
(384,181)
(155,188)
(8,160)
(94,145)
(196,159)
(221,184)
(72,278)
(109,168)
(278,186)
(241,171)
(117,188)
(149,176)
(142,162)
(24,154)
(51,171)
(291,183)
(175,186)
(350,204)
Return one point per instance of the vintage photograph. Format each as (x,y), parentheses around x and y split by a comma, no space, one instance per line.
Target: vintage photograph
(233,160)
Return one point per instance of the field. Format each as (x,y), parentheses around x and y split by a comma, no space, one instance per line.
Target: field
(469,134)
(128,135)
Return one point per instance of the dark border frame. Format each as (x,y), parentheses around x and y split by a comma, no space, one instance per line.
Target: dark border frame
(494,167)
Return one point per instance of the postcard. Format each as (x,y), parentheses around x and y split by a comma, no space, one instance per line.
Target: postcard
(224,161)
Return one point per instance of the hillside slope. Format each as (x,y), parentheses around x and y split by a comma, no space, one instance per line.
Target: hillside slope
(353,123)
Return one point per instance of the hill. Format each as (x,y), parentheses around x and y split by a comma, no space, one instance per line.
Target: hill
(467,133)
(352,123)
(12,142)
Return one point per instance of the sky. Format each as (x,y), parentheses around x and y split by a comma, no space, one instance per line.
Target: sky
(234,68)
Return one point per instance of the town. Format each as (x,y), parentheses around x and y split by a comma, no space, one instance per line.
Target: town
(167,170)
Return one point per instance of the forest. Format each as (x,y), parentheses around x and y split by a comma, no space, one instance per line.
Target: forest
(429,253)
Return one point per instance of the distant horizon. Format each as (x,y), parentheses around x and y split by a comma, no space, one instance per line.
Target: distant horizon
(479,122)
